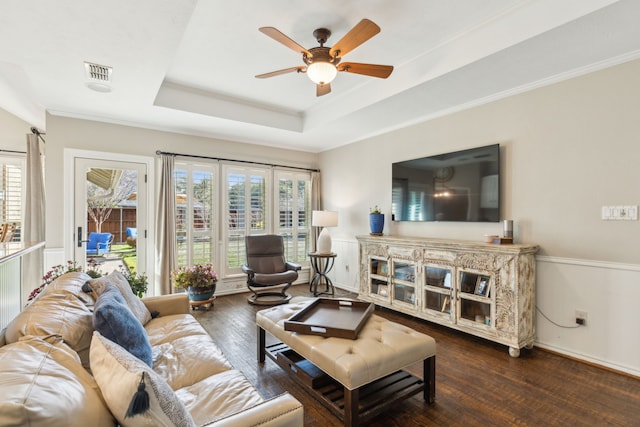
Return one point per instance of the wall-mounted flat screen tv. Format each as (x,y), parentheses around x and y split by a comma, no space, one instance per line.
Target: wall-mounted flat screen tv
(458,186)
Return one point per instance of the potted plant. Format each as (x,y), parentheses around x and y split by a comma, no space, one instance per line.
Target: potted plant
(376,221)
(199,281)
(138,282)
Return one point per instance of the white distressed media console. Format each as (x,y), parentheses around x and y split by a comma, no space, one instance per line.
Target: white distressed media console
(484,289)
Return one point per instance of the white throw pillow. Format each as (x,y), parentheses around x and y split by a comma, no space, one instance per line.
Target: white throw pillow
(119,281)
(121,377)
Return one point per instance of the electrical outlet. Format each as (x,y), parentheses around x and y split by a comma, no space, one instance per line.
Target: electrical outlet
(581,317)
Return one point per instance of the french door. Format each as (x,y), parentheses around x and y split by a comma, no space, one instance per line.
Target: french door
(110,215)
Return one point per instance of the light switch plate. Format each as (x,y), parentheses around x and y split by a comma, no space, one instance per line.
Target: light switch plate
(620,213)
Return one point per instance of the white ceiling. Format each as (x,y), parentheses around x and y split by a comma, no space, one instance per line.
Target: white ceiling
(188,66)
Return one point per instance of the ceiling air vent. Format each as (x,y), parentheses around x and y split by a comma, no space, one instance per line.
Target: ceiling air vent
(98,77)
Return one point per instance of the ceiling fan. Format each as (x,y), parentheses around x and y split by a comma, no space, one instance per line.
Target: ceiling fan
(323,63)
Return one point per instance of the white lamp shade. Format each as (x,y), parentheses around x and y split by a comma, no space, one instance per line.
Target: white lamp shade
(322,72)
(324,218)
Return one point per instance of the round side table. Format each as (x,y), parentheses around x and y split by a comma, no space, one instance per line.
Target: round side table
(322,264)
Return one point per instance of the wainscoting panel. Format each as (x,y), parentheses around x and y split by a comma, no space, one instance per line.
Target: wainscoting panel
(345,269)
(608,292)
(10,304)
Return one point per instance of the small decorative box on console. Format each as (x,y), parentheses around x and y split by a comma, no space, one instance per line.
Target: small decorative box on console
(503,240)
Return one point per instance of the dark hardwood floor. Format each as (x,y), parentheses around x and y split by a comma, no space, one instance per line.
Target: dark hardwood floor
(478,383)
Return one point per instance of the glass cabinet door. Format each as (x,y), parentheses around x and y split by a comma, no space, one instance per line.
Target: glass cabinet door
(404,282)
(475,298)
(437,290)
(379,278)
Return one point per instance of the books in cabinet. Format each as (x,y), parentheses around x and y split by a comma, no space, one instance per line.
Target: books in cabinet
(383,268)
(482,286)
(446,304)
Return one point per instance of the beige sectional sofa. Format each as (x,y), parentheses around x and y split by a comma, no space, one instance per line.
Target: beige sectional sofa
(56,370)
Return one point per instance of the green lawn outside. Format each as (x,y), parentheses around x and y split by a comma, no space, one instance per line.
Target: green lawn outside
(128,255)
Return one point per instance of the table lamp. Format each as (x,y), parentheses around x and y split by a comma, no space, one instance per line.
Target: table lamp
(324,219)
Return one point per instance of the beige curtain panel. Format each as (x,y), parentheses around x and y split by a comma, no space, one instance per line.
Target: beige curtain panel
(33,229)
(166,229)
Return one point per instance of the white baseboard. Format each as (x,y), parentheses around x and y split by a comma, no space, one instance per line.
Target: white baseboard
(586,358)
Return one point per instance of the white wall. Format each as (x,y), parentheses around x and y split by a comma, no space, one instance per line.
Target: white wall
(13,132)
(568,149)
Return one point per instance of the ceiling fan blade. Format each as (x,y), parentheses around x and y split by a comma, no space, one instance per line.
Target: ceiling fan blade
(359,34)
(278,36)
(323,89)
(278,72)
(373,70)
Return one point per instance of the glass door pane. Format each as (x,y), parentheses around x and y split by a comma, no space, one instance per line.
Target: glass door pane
(475,298)
(437,289)
(110,226)
(404,282)
(379,278)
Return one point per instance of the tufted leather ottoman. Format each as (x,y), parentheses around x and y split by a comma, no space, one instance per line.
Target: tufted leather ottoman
(365,368)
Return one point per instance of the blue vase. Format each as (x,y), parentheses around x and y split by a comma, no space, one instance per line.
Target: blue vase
(376,223)
(201,293)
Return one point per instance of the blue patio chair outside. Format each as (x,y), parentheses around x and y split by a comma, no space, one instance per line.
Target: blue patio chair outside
(99,243)
(132,232)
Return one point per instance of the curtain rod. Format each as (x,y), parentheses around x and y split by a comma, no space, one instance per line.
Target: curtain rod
(158,152)
(35,131)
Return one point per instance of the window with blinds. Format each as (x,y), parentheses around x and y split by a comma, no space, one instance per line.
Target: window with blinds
(246,210)
(12,180)
(196,213)
(293,203)
(227,202)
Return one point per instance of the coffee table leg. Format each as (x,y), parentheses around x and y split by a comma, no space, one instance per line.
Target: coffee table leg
(351,403)
(429,374)
(261,345)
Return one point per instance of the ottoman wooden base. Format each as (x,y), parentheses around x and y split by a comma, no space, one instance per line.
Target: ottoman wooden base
(359,387)
(353,407)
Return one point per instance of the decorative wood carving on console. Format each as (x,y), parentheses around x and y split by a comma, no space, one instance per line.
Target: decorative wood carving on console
(439,280)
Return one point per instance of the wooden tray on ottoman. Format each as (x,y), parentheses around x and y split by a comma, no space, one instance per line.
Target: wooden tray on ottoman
(328,317)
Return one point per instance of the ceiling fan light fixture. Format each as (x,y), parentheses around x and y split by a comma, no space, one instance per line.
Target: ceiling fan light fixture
(322,72)
(322,62)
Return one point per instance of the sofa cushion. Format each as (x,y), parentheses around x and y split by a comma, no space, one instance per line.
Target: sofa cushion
(117,279)
(109,361)
(115,321)
(219,396)
(56,313)
(166,329)
(188,360)
(69,284)
(44,384)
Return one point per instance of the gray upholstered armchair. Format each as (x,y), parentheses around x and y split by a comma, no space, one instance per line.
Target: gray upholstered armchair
(267,268)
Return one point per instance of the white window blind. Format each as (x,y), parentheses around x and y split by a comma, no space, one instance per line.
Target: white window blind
(12,170)
(293,194)
(196,213)
(246,210)
(226,202)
